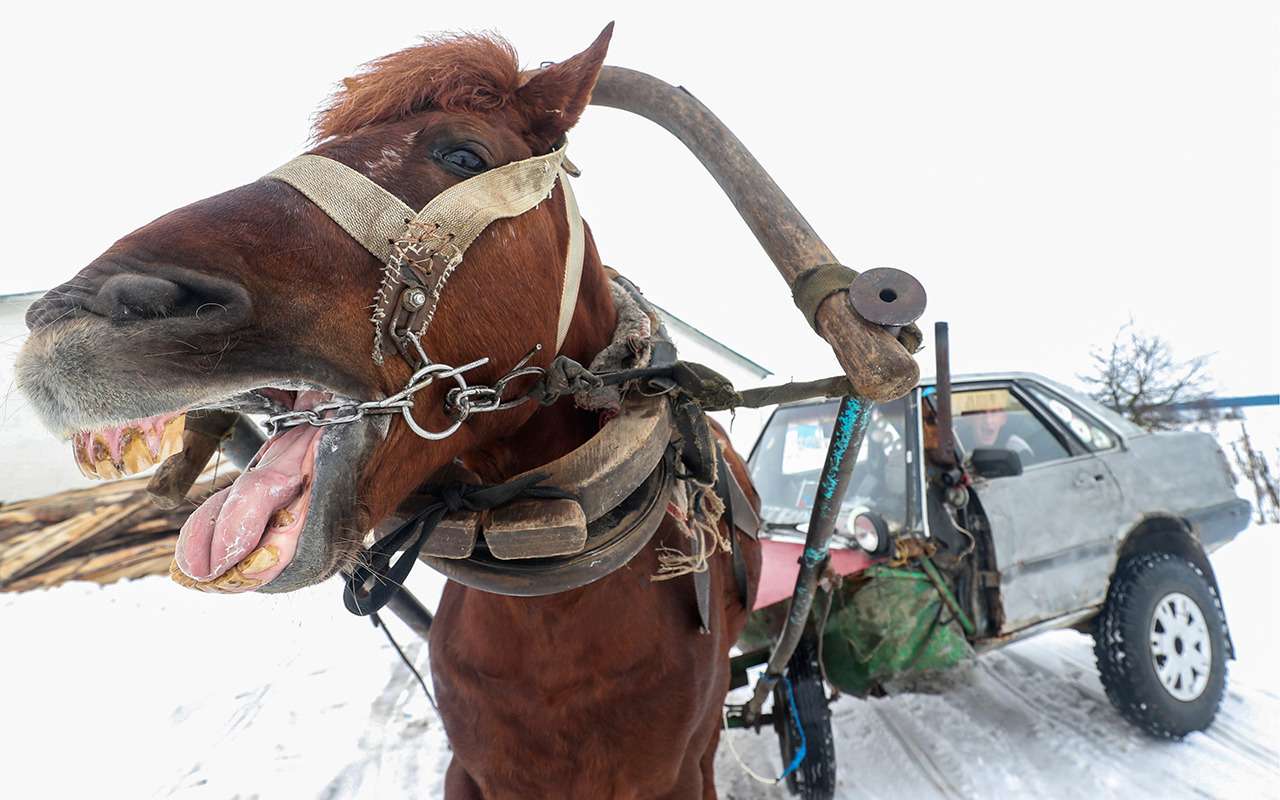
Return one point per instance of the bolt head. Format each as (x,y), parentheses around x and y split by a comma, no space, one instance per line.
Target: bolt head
(415,299)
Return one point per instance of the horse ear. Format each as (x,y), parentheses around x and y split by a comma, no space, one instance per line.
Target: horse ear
(557,95)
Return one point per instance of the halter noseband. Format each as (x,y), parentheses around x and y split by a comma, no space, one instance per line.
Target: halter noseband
(420,251)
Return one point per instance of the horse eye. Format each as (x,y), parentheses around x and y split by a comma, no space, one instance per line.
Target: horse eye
(464,159)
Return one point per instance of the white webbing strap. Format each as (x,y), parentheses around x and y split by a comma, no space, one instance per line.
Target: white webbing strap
(572,262)
(376,218)
(368,213)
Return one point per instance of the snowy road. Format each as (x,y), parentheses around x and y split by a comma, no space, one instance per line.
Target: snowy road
(145,690)
(1032,720)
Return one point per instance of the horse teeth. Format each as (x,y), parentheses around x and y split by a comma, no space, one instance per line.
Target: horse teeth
(232,580)
(282,519)
(171,439)
(260,560)
(79,445)
(135,456)
(107,470)
(99,453)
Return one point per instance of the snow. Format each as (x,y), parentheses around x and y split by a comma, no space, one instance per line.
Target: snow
(143,689)
(1032,720)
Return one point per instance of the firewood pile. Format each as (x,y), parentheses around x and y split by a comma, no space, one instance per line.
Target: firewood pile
(103,534)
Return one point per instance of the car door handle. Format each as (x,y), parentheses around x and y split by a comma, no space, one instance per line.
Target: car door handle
(1085,480)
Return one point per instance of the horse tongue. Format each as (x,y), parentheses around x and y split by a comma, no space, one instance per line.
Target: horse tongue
(227,526)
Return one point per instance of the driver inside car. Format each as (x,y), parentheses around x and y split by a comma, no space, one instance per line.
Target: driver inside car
(987,429)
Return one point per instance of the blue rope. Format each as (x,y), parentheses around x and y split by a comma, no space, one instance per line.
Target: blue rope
(804,745)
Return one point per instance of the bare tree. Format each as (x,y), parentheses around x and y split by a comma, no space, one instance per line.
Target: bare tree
(1139,377)
(1252,463)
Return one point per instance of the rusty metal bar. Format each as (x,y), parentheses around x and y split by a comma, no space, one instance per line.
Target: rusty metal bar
(931,570)
(946,435)
(877,365)
(846,440)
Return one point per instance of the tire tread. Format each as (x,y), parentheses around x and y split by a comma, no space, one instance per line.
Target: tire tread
(1119,667)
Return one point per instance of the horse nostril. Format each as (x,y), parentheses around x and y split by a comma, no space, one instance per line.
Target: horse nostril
(134,296)
(201,301)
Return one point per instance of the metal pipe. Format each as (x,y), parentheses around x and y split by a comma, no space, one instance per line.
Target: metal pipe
(947,597)
(946,436)
(879,368)
(846,441)
(244,441)
(411,612)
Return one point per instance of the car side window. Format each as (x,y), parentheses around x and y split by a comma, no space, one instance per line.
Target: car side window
(994,417)
(1091,434)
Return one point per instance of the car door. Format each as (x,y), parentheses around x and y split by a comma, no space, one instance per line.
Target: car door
(1052,527)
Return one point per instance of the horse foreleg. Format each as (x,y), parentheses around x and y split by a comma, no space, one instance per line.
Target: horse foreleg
(709,766)
(458,785)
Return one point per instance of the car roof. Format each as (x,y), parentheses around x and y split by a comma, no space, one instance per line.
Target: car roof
(978,377)
(1118,423)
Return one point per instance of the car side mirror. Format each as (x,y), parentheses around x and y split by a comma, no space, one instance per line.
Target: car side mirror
(995,462)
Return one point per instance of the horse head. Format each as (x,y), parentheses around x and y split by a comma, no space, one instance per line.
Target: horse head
(258,299)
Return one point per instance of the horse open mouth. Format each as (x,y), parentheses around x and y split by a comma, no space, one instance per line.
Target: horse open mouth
(245,535)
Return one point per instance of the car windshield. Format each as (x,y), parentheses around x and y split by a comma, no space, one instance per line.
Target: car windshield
(788,460)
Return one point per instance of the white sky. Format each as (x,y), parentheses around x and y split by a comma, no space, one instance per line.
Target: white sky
(1046,170)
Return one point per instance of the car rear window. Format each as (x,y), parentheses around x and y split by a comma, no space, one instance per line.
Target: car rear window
(1087,430)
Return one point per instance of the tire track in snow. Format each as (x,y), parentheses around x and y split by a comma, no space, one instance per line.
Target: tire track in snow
(1260,755)
(1103,742)
(1003,719)
(935,773)
(1225,732)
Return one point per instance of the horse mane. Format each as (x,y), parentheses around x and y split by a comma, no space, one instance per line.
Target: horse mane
(451,72)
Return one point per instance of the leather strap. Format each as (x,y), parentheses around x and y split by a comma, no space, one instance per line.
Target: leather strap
(735,509)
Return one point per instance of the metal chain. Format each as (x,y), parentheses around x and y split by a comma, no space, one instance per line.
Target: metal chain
(460,402)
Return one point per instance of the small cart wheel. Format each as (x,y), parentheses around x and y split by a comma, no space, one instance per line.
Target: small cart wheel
(815,777)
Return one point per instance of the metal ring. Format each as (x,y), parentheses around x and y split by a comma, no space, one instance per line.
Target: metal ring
(407,413)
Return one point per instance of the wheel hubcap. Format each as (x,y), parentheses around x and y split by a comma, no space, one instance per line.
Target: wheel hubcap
(1180,647)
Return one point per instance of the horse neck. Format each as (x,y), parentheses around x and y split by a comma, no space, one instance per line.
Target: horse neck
(561,427)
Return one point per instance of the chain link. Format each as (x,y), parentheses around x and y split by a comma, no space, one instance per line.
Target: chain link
(460,402)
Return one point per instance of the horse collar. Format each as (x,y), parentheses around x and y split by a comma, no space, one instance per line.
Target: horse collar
(615,491)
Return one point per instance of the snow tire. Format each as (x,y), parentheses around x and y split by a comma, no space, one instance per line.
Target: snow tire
(815,778)
(1122,634)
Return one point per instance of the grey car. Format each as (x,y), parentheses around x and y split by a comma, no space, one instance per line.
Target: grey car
(1039,510)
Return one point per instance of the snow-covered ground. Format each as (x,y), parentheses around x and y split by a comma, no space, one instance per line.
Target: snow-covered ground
(143,689)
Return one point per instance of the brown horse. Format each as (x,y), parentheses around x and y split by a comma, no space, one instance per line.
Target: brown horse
(608,690)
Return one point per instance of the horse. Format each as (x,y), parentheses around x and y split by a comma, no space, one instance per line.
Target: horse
(257,295)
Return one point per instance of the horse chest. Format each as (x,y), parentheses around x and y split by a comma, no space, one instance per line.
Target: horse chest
(611,641)
(612,684)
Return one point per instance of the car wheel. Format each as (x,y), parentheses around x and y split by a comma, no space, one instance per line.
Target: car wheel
(815,777)
(1161,645)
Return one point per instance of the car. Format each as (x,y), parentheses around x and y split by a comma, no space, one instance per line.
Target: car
(984,510)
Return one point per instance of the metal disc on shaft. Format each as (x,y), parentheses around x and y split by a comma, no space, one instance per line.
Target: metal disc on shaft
(887,296)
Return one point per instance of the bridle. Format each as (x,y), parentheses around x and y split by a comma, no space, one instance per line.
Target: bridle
(581,516)
(420,251)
